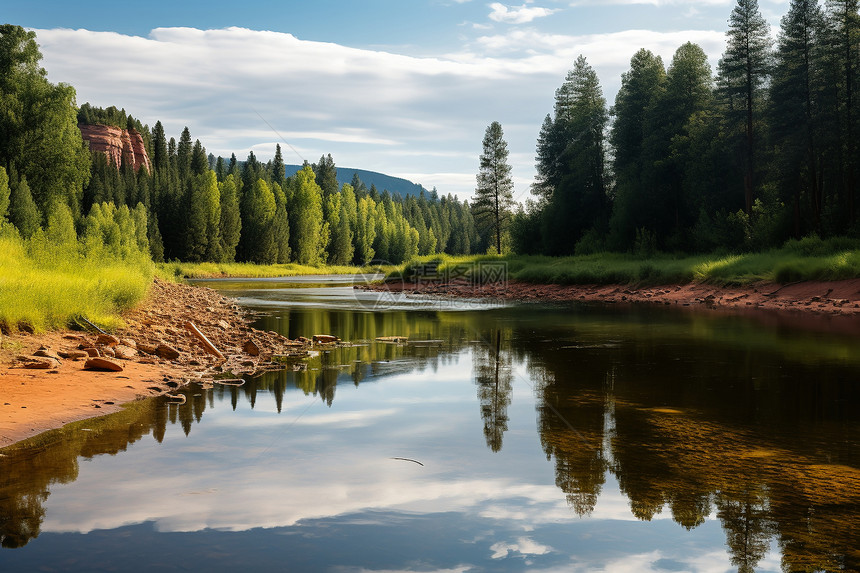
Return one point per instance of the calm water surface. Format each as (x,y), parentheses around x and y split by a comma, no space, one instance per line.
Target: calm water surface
(500,438)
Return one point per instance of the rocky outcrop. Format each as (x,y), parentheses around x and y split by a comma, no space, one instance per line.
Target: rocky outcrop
(118,144)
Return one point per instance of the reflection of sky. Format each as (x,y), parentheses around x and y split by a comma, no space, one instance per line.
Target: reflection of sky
(310,474)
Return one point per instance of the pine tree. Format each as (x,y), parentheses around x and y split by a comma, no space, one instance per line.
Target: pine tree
(309,234)
(258,213)
(494,194)
(794,112)
(326,175)
(843,26)
(279,171)
(665,208)
(576,195)
(281,226)
(159,153)
(183,155)
(199,160)
(365,231)
(23,212)
(641,87)
(744,70)
(231,220)
(202,233)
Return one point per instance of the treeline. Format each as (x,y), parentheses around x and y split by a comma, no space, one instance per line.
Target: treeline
(763,151)
(111,116)
(191,206)
(223,210)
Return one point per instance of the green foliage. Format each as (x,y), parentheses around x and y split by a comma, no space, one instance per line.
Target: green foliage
(23,212)
(179,270)
(98,277)
(571,177)
(258,214)
(5,193)
(309,235)
(39,135)
(231,219)
(203,224)
(281,226)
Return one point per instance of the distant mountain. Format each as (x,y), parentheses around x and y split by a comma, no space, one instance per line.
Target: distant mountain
(394,184)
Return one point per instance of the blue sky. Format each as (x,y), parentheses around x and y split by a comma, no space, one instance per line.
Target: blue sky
(406,87)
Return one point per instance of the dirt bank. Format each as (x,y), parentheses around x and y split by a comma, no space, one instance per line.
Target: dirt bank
(826,306)
(156,351)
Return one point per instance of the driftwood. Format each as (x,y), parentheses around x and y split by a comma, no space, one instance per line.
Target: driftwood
(392,339)
(210,348)
(175,398)
(230,382)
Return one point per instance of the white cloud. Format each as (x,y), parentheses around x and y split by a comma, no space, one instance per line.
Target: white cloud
(421,118)
(523,546)
(517,15)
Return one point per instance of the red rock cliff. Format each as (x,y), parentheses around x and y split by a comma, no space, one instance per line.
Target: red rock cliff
(118,143)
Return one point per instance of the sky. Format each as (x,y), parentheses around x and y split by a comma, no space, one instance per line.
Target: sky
(404,87)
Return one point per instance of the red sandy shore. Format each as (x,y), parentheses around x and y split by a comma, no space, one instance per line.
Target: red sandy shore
(33,401)
(826,306)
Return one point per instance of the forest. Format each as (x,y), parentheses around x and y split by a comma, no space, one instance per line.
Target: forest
(687,160)
(191,206)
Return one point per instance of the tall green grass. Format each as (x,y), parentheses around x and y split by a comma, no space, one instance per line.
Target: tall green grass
(180,270)
(47,285)
(810,258)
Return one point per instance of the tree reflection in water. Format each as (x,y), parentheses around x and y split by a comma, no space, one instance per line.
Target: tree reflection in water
(763,440)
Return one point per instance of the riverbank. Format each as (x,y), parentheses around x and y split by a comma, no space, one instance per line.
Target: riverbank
(158,352)
(826,306)
(822,297)
(44,382)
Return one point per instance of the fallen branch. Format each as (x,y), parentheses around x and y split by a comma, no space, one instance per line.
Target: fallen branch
(210,348)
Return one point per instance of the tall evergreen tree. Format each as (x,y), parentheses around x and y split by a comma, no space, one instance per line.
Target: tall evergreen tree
(281,226)
(326,175)
(843,36)
(309,234)
(575,192)
(641,87)
(199,160)
(159,148)
(231,220)
(184,150)
(743,71)
(794,118)
(667,210)
(23,212)
(258,213)
(202,230)
(494,195)
(279,171)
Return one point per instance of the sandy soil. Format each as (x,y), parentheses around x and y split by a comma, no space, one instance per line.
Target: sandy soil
(160,354)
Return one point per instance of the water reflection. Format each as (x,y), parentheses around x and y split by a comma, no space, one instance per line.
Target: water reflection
(690,418)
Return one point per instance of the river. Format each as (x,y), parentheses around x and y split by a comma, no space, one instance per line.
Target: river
(497,437)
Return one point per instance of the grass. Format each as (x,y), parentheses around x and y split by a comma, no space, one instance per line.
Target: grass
(179,270)
(45,286)
(810,258)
